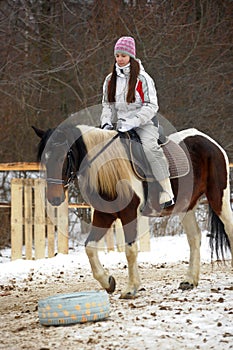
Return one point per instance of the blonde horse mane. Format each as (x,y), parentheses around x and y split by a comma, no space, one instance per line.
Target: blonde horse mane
(110,172)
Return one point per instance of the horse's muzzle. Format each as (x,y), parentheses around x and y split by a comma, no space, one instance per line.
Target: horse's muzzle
(55,193)
(56,201)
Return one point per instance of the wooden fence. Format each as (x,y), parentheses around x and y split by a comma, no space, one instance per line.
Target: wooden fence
(35,224)
(42,230)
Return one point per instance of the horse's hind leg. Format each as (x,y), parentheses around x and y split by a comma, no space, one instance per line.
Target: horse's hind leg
(226,217)
(101,223)
(193,233)
(219,201)
(131,251)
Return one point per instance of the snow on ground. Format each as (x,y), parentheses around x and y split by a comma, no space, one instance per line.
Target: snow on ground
(167,249)
(161,317)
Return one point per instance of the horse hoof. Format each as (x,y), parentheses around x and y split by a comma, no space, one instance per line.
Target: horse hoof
(186,286)
(128,295)
(112,285)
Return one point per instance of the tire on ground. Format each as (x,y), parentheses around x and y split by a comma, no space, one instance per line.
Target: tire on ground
(81,307)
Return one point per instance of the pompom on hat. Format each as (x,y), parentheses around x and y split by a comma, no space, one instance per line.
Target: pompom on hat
(125,45)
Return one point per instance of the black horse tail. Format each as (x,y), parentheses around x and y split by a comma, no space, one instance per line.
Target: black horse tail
(219,242)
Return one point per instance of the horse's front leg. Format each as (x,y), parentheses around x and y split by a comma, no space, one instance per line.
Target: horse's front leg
(131,251)
(129,222)
(101,223)
(194,239)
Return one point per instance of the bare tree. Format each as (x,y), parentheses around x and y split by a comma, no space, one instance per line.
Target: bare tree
(55,55)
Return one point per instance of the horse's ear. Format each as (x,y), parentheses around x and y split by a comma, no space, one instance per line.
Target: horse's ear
(38,132)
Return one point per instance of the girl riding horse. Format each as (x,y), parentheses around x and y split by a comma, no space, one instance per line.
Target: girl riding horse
(130,100)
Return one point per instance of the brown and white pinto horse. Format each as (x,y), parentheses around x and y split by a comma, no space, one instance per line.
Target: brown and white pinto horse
(108,183)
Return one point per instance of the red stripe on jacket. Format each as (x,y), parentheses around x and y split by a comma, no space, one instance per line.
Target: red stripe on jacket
(140,90)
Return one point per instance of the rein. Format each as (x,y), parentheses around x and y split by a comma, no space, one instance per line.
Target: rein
(74,174)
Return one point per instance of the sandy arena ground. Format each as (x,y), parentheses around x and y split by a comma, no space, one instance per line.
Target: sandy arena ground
(161,317)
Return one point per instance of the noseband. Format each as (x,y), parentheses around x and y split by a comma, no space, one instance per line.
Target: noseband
(50,180)
(69,170)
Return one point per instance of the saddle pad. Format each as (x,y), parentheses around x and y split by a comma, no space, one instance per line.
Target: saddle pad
(177,159)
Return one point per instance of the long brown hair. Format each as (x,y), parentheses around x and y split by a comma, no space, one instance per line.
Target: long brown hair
(134,72)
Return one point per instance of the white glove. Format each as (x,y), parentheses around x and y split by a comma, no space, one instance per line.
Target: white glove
(126,125)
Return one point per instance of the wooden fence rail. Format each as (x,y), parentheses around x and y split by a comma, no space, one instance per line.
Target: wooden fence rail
(35,224)
(43,229)
(28,166)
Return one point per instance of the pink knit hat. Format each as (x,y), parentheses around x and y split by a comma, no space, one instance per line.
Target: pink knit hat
(126,45)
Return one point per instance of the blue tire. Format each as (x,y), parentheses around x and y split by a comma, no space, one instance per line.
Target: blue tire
(63,309)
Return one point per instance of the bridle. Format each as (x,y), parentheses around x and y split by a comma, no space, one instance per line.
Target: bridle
(73,174)
(69,170)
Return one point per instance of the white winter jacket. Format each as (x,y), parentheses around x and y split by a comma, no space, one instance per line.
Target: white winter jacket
(145,106)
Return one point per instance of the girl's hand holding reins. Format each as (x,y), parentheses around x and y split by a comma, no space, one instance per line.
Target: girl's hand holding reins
(126,125)
(107,127)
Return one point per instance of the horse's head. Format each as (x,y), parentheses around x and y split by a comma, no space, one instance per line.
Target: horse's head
(96,156)
(55,153)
